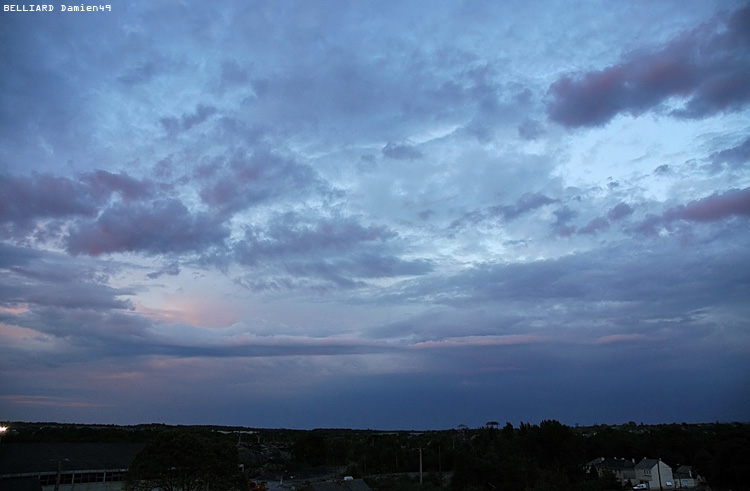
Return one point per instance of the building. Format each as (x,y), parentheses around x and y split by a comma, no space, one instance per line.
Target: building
(685,477)
(622,469)
(77,466)
(654,473)
(338,485)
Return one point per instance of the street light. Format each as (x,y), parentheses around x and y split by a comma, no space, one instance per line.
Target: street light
(3,429)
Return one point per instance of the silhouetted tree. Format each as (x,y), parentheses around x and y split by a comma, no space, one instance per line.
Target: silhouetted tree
(185,461)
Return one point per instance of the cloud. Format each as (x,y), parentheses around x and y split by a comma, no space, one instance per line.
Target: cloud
(171,269)
(24,200)
(620,211)
(466,341)
(736,157)
(28,400)
(187,121)
(102,184)
(707,67)
(338,251)
(162,227)
(525,203)
(144,71)
(596,225)
(53,280)
(735,202)
(562,216)
(403,151)
(530,130)
(622,338)
(289,235)
(714,208)
(246,180)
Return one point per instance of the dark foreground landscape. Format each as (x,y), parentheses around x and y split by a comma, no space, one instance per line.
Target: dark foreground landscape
(525,457)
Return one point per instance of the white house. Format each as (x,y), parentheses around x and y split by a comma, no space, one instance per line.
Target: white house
(654,473)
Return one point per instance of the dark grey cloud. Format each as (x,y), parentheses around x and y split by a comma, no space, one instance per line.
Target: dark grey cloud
(596,225)
(706,67)
(244,180)
(736,157)
(662,170)
(352,270)
(563,216)
(291,235)
(161,227)
(144,71)
(294,250)
(188,120)
(530,130)
(50,280)
(525,203)
(23,200)
(102,184)
(171,269)
(233,74)
(401,151)
(619,212)
(369,265)
(664,283)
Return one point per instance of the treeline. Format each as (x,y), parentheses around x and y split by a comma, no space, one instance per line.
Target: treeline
(527,457)
(547,456)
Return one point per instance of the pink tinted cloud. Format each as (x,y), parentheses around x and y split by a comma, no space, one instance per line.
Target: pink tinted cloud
(621,338)
(732,203)
(735,202)
(23,199)
(464,341)
(708,67)
(25,400)
(193,311)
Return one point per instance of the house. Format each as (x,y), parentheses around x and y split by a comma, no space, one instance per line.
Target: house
(654,473)
(78,466)
(623,469)
(338,485)
(685,477)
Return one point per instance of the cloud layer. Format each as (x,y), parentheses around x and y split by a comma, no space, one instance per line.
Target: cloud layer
(317,215)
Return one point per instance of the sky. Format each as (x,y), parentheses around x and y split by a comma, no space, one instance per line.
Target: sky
(375,214)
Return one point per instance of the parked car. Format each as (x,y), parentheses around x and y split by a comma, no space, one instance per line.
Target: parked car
(642,485)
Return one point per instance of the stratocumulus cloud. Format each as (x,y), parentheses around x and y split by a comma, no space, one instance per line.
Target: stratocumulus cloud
(706,67)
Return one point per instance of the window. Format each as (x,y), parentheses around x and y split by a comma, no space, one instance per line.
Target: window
(47,480)
(115,476)
(86,477)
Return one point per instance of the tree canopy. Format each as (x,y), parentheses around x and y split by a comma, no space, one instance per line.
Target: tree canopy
(184,461)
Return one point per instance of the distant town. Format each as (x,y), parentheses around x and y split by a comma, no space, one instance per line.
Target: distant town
(526,457)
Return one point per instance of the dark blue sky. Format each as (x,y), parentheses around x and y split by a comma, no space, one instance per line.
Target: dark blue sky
(382,215)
